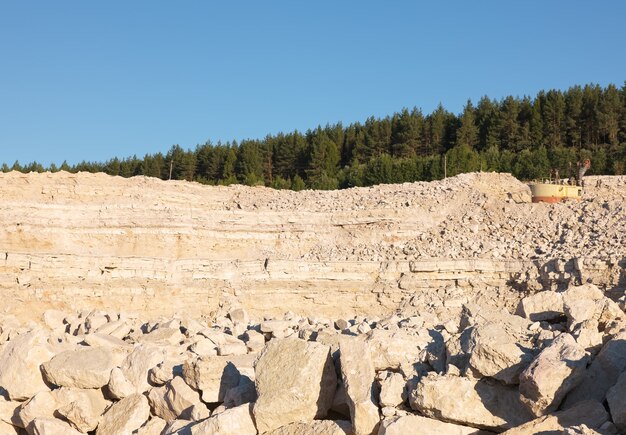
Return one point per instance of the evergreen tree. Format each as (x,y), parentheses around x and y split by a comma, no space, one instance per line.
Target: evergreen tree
(468,131)
(509,124)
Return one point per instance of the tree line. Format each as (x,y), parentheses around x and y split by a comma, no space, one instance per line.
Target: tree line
(524,136)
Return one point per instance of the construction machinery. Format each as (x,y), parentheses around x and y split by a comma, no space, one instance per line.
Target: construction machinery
(556,189)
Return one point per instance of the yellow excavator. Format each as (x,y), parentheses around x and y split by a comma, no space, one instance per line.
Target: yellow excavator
(556,189)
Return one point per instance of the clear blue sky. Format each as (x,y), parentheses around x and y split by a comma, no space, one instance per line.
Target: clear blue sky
(87,80)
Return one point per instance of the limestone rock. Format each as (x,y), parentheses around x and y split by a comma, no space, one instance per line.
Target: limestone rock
(174,400)
(582,429)
(232,348)
(581,303)
(497,353)
(54,319)
(417,424)
(392,389)
(233,421)
(8,429)
(392,350)
(239,315)
(96,339)
(20,359)
(556,370)
(85,412)
(204,347)
(138,363)
(295,381)
(163,336)
(316,427)
(244,392)
(118,386)
(484,404)
(154,426)
(590,413)
(358,376)
(255,341)
(125,416)
(84,407)
(545,305)
(50,426)
(162,372)
(9,411)
(617,404)
(215,375)
(89,367)
(602,374)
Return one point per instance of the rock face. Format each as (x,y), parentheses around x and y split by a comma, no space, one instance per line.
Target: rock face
(295,381)
(556,370)
(483,404)
(358,376)
(89,241)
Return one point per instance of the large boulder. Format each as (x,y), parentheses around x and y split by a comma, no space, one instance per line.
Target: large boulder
(357,373)
(214,376)
(556,370)
(20,360)
(617,404)
(233,421)
(545,305)
(417,424)
(295,381)
(602,374)
(485,404)
(125,416)
(89,367)
(497,353)
(590,413)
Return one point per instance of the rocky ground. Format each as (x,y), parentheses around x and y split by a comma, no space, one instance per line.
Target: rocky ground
(558,365)
(479,311)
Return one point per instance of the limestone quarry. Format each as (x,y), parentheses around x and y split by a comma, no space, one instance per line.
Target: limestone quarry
(141,306)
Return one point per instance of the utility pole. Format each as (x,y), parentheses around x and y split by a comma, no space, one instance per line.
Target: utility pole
(445,166)
(171,163)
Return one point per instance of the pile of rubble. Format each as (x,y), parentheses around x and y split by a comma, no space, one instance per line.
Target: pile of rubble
(557,365)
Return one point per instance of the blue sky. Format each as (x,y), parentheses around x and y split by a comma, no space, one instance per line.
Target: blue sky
(83,80)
